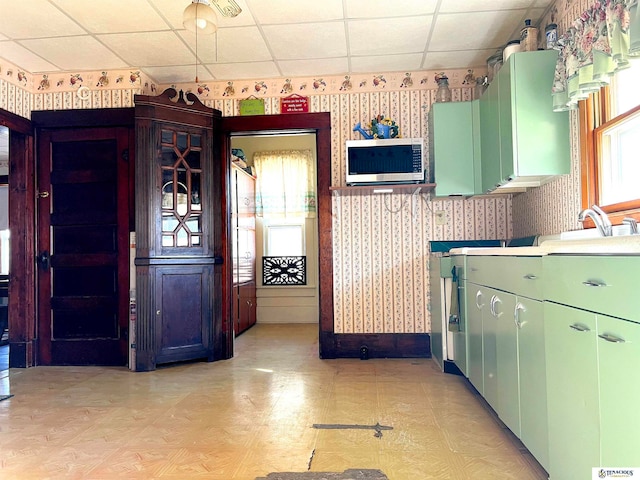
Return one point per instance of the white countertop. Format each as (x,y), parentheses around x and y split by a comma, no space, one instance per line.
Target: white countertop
(513,251)
(618,245)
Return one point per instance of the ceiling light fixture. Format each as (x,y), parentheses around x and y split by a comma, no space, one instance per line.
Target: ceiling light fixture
(199,17)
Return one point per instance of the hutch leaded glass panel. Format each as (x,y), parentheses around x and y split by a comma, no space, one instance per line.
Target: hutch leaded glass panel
(181,166)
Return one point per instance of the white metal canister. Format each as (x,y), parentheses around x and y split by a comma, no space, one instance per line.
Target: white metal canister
(512,47)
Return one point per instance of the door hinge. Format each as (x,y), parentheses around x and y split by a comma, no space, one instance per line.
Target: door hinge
(125,155)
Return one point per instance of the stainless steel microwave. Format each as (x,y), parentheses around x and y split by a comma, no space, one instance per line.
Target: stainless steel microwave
(380,161)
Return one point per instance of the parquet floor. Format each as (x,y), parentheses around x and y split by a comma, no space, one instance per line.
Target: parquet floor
(246,417)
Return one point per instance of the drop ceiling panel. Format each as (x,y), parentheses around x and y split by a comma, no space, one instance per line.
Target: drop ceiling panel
(149,49)
(232,71)
(25,58)
(307,41)
(460,59)
(35,19)
(251,48)
(389,9)
(307,68)
(387,63)
(392,35)
(109,17)
(456,6)
(481,30)
(207,50)
(75,53)
(287,11)
(178,74)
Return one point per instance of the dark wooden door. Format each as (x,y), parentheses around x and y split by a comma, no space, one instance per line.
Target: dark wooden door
(83,272)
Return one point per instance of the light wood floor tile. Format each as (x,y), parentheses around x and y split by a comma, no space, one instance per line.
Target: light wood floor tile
(246,417)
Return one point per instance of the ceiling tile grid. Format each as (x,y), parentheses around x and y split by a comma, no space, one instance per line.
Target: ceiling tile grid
(278,38)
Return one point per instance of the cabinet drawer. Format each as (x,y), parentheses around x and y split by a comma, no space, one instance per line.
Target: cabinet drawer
(601,284)
(519,275)
(481,270)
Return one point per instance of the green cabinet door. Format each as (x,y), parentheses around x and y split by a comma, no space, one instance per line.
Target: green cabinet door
(460,337)
(619,359)
(452,148)
(507,361)
(529,318)
(572,391)
(541,138)
(489,348)
(476,302)
(490,137)
(506,100)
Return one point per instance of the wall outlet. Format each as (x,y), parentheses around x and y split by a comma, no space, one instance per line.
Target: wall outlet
(441,217)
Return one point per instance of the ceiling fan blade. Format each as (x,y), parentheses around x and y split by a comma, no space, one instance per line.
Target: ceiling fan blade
(228,8)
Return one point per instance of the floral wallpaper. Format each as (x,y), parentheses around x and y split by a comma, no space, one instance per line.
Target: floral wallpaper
(22,92)
(381,242)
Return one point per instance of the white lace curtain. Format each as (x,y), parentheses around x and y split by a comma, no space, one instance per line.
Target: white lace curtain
(600,42)
(285,186)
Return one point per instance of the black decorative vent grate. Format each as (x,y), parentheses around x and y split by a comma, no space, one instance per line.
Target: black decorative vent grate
(284,271)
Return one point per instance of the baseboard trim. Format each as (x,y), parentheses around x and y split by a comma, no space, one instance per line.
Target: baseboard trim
(377,345)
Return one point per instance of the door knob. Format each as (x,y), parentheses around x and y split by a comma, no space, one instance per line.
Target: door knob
(43,260)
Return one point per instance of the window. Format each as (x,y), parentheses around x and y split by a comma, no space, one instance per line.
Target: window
(284,237)
(610,138)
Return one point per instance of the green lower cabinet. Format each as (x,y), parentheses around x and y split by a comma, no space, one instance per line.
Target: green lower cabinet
(572,391)
(618,362)
(507,361)
(489,349)
(460,337)
(476,302)
(533,386)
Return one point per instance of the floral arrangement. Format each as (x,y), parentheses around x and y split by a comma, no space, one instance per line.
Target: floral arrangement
(379,127)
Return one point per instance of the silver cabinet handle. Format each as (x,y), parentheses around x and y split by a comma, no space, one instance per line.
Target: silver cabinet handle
(611,338)
(579,328)
(594,283)
(473,269)
(495,300)
(516,314)
(479,297)
(530,276)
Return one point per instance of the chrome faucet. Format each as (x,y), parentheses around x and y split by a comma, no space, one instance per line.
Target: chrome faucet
(633,225)
(599,217)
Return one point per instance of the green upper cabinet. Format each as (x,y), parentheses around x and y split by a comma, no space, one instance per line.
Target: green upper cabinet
(528,143)
(453,148)
(490,138)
